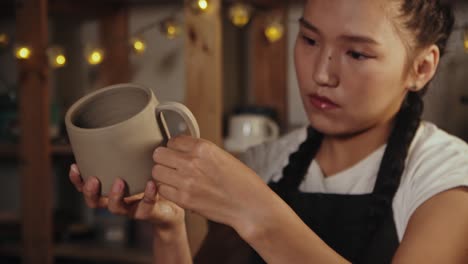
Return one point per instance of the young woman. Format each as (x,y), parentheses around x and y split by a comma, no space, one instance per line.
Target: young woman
(366,182)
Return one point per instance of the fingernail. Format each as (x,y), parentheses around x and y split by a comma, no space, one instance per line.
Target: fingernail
(74,168)
(157,150)
(95,182)
(92,184)
(150,188)
(118,186)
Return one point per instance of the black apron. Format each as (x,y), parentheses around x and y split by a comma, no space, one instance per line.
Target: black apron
(359,227)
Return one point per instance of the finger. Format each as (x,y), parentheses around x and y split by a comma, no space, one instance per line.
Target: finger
(91,191)
(116,198)
(169,157)
(145,207)
(193,146)
(150,193)
(75,177)
(167,176)
(183,143)
(172,194)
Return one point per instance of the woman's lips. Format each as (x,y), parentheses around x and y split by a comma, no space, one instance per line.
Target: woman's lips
(322,103)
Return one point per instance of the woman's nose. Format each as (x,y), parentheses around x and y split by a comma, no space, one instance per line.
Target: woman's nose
(324,74)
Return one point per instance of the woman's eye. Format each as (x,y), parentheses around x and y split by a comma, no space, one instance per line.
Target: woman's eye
(358,56)
(309,41)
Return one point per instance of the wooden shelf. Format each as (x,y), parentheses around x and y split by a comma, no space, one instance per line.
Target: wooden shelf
(10,150)
(89,252)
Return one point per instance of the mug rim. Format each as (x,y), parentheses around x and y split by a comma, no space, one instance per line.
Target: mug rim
(251,116)
(72,110)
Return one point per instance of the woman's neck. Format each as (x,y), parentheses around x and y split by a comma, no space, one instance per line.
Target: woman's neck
(337,153)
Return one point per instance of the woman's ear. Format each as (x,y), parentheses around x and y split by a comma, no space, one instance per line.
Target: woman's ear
(424,68)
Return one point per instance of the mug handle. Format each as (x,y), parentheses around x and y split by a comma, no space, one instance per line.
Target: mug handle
(274,130)
(184,112)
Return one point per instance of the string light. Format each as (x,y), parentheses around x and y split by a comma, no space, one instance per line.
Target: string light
(4,40)
(239,14)
(60,60)
(203,4)
(274,31)
(23,52)
(465,39)
(95,56)
(170,28)
(199,5)
(57,58)
(138,45)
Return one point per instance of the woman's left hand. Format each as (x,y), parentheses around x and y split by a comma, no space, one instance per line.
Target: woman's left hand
(199,176)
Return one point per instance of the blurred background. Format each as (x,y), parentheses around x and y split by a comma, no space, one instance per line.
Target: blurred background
(230,62)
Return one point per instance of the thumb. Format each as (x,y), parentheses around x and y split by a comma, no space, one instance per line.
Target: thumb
(144,208)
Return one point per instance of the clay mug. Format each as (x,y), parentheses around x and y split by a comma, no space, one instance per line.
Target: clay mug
(113,132)
(247,130)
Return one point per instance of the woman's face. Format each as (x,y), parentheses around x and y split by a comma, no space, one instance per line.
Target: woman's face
(350,65)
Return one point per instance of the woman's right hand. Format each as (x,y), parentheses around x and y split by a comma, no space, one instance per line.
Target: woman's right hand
(152,207)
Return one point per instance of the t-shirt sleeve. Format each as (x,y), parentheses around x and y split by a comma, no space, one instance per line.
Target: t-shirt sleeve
(433,169)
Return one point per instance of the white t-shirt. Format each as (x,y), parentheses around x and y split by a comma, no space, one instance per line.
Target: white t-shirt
(436,162)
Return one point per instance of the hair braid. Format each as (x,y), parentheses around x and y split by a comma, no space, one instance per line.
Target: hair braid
(393,161)
(299,161)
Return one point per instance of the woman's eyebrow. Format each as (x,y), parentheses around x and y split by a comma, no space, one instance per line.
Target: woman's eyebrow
(359,39)
(309,25)
(350,38)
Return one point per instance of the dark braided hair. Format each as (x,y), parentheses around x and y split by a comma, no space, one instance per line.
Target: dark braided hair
(427,22)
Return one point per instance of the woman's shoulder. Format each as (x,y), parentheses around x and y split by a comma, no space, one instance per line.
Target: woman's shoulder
(436,162)
(436,156)
(270,157)
(430,134)
(434,144)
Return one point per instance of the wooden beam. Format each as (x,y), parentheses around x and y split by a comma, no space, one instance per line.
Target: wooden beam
(35,168)
(114,34)
(269,64)
(203,56)
(204,85)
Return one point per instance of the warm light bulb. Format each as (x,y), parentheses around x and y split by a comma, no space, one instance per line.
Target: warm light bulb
(170,28)
(274,31)
(139,46)
(199,5)
(61,60)
(95,57)
(23,52)
(56,57)
(239,14)
(4,40)
(203,4)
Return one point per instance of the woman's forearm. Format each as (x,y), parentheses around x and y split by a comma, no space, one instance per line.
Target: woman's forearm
(170,246)
(280,236)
